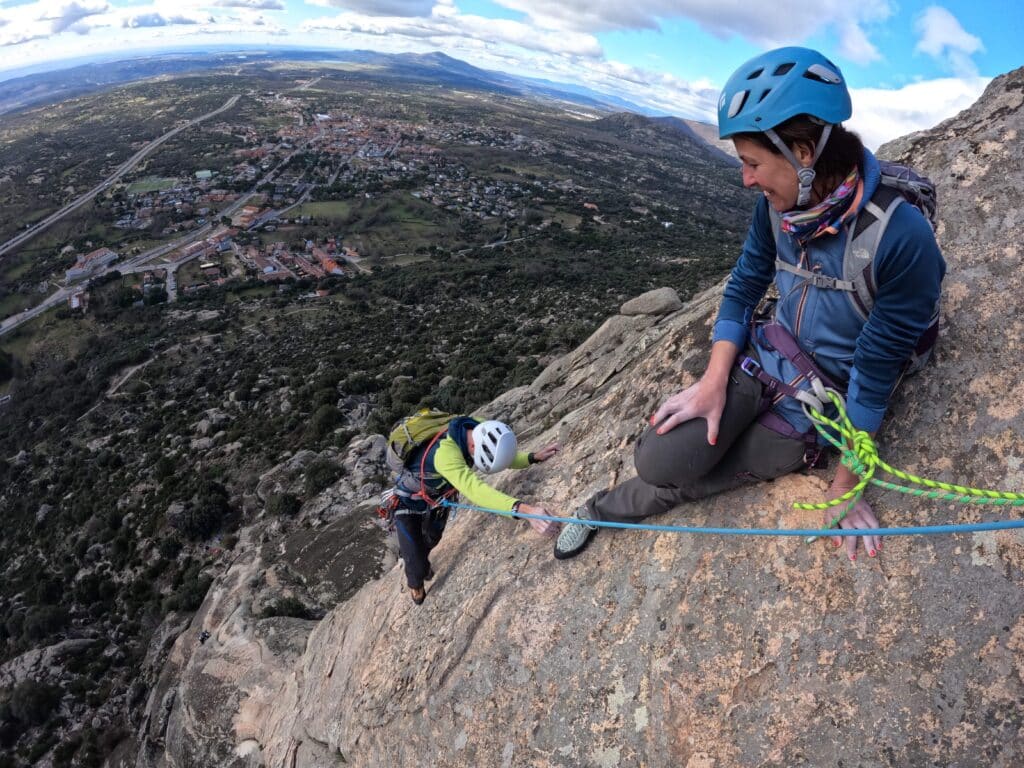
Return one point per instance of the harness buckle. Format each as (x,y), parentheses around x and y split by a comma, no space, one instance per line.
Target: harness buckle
(750,366)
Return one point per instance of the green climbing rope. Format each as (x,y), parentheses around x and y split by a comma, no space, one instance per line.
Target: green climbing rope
(860,456)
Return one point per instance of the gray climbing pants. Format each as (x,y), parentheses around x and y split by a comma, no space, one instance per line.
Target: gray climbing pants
(680,465)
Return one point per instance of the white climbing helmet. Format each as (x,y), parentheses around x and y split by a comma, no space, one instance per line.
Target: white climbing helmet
(494,446)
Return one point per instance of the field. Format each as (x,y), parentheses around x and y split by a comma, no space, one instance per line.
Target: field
(150,184)
(191,274)
(235,296)
(329,210)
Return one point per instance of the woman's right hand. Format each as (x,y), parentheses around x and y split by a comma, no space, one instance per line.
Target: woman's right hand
(703,400)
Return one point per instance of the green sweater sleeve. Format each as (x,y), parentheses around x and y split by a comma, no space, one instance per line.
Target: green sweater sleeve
(521,461)
(449,463)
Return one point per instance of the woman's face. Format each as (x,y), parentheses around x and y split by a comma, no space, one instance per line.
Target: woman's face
(769,172)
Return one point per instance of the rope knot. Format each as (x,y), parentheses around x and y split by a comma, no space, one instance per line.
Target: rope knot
(865,449)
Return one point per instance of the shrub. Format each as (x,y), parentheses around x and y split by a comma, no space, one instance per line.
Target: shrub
(283,505)
(164,468)
(288,606)
(204,513)
(169,547)
(320,474)
(6,367)
(33,702)
(196,522)
(324,420)
(44,620)
(189,595)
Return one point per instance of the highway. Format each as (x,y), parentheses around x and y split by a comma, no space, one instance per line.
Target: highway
(122,169)
(12,322)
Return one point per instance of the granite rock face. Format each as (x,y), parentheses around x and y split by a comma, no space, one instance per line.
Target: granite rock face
(654,649)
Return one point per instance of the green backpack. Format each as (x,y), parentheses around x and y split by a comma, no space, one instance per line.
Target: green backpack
(412,432)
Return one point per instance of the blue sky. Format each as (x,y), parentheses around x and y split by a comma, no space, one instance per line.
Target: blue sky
(909,63)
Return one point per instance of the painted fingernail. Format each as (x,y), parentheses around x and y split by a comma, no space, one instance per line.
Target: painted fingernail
(852,558)
(871,553)
(714,441)
(836,543)
(652,421)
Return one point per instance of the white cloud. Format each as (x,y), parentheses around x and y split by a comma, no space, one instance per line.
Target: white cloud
(880,115)
(943,38)
(34,21)
(447,24)
(265,5)
(783,22)
(855,46)
(156,19)
(62,15)
(382,7)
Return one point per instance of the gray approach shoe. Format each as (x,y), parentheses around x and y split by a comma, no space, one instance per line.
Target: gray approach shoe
(574,536)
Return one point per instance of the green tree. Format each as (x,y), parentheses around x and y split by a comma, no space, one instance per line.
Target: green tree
(33,702)
(283,505)
(44,620)
(320,474)
(324,419)
(7,366)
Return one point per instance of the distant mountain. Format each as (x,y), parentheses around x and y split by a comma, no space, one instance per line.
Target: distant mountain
(704,132)
(58,84)
(55,85)
(662,132)
(438,67)
(709,132)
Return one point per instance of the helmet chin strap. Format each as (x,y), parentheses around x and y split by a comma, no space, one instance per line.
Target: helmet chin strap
(804,175)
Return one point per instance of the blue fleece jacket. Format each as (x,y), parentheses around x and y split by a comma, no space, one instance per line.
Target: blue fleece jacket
(867,357)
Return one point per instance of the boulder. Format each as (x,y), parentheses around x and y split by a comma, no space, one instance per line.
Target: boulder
(660,301)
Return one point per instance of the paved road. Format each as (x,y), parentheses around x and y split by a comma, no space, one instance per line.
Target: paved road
(122,169)
(50,301)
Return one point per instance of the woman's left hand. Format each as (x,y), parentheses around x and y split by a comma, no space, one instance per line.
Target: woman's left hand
(543,527)
(861,516)
(546,452)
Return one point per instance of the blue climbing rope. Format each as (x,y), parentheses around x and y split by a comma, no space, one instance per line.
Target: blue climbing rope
(915,530)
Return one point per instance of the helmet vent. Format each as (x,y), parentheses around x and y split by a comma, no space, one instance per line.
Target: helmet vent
(738,100)
(755,74)
(822,74)
(764,94)
(783,69)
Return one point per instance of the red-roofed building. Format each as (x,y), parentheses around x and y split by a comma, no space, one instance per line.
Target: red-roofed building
(90,264)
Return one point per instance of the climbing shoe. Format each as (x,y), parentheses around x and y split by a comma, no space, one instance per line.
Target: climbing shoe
(418,595)
(574,536)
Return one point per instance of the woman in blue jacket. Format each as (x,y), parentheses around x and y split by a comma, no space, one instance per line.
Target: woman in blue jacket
(742,421)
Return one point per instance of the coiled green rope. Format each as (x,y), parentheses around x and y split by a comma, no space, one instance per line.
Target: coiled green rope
(860,456)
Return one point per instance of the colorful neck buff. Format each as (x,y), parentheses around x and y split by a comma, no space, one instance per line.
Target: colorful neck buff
(826,215)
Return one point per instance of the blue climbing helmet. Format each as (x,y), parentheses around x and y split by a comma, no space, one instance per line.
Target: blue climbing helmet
(771,88)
